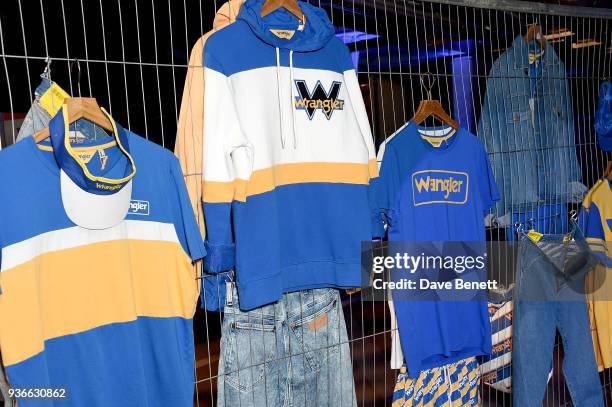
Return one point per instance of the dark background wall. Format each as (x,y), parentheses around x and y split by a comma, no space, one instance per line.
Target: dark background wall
(131,55)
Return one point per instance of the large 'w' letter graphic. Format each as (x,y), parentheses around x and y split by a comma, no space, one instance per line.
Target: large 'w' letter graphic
(327,102)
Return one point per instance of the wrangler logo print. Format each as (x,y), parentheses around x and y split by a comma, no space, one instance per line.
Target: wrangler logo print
(439,186)
(326,101)
(108,187)
(138,207)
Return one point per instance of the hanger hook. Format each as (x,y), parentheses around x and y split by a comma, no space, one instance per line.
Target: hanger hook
(47,71)
(520,228)
(574,215)
(431,80)
(76,62)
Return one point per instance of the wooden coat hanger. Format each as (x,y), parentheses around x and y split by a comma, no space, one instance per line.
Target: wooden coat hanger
(608,172)
(430,107)
(534,33)
(291,6)
(80,108)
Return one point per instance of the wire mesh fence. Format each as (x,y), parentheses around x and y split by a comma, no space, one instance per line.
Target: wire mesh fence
(132,56)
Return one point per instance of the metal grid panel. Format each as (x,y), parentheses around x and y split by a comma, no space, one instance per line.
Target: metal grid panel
(132,56)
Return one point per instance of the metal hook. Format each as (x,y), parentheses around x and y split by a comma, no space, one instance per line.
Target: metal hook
(47,71)
(522,226)
(78,67)
(519,227)
(574,215)
(431,80)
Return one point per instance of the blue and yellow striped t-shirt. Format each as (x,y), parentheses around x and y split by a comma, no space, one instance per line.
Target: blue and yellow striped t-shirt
(104,314)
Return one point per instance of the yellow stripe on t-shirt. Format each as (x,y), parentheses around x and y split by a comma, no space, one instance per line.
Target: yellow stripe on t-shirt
(73,290)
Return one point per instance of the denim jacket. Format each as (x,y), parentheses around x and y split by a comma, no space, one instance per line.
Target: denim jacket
(527,128)
(38,117)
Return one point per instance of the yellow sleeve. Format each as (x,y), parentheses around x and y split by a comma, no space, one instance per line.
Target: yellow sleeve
(588,198)
(190,129)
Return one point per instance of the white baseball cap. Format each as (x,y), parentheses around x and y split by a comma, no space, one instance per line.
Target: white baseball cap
(90,201)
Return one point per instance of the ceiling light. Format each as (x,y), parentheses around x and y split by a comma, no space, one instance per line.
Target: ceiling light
(352,36)
(558,33)
(587,42)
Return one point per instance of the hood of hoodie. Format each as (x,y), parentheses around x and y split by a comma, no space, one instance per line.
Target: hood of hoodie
(227,14)
(316,33)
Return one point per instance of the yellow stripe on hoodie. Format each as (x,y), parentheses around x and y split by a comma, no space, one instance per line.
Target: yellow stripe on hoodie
(268,179)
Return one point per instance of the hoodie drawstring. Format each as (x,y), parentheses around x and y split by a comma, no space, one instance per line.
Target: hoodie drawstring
(292,98)
(280,98)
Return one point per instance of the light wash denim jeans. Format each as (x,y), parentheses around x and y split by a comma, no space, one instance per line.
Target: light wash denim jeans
(38,118)
(550,298)
(291,353)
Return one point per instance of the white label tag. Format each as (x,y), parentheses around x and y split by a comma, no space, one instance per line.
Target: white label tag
(229,293)
(76,137)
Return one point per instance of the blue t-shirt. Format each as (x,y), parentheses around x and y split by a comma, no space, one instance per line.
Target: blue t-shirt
(440,193)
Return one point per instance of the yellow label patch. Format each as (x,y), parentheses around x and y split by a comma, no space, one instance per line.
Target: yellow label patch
(535,236)
(535,56)
(283,34)
(434,141)
(437,141)
(53,99)
(86,156)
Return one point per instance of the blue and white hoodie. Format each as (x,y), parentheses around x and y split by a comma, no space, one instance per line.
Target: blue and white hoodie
(288,155)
